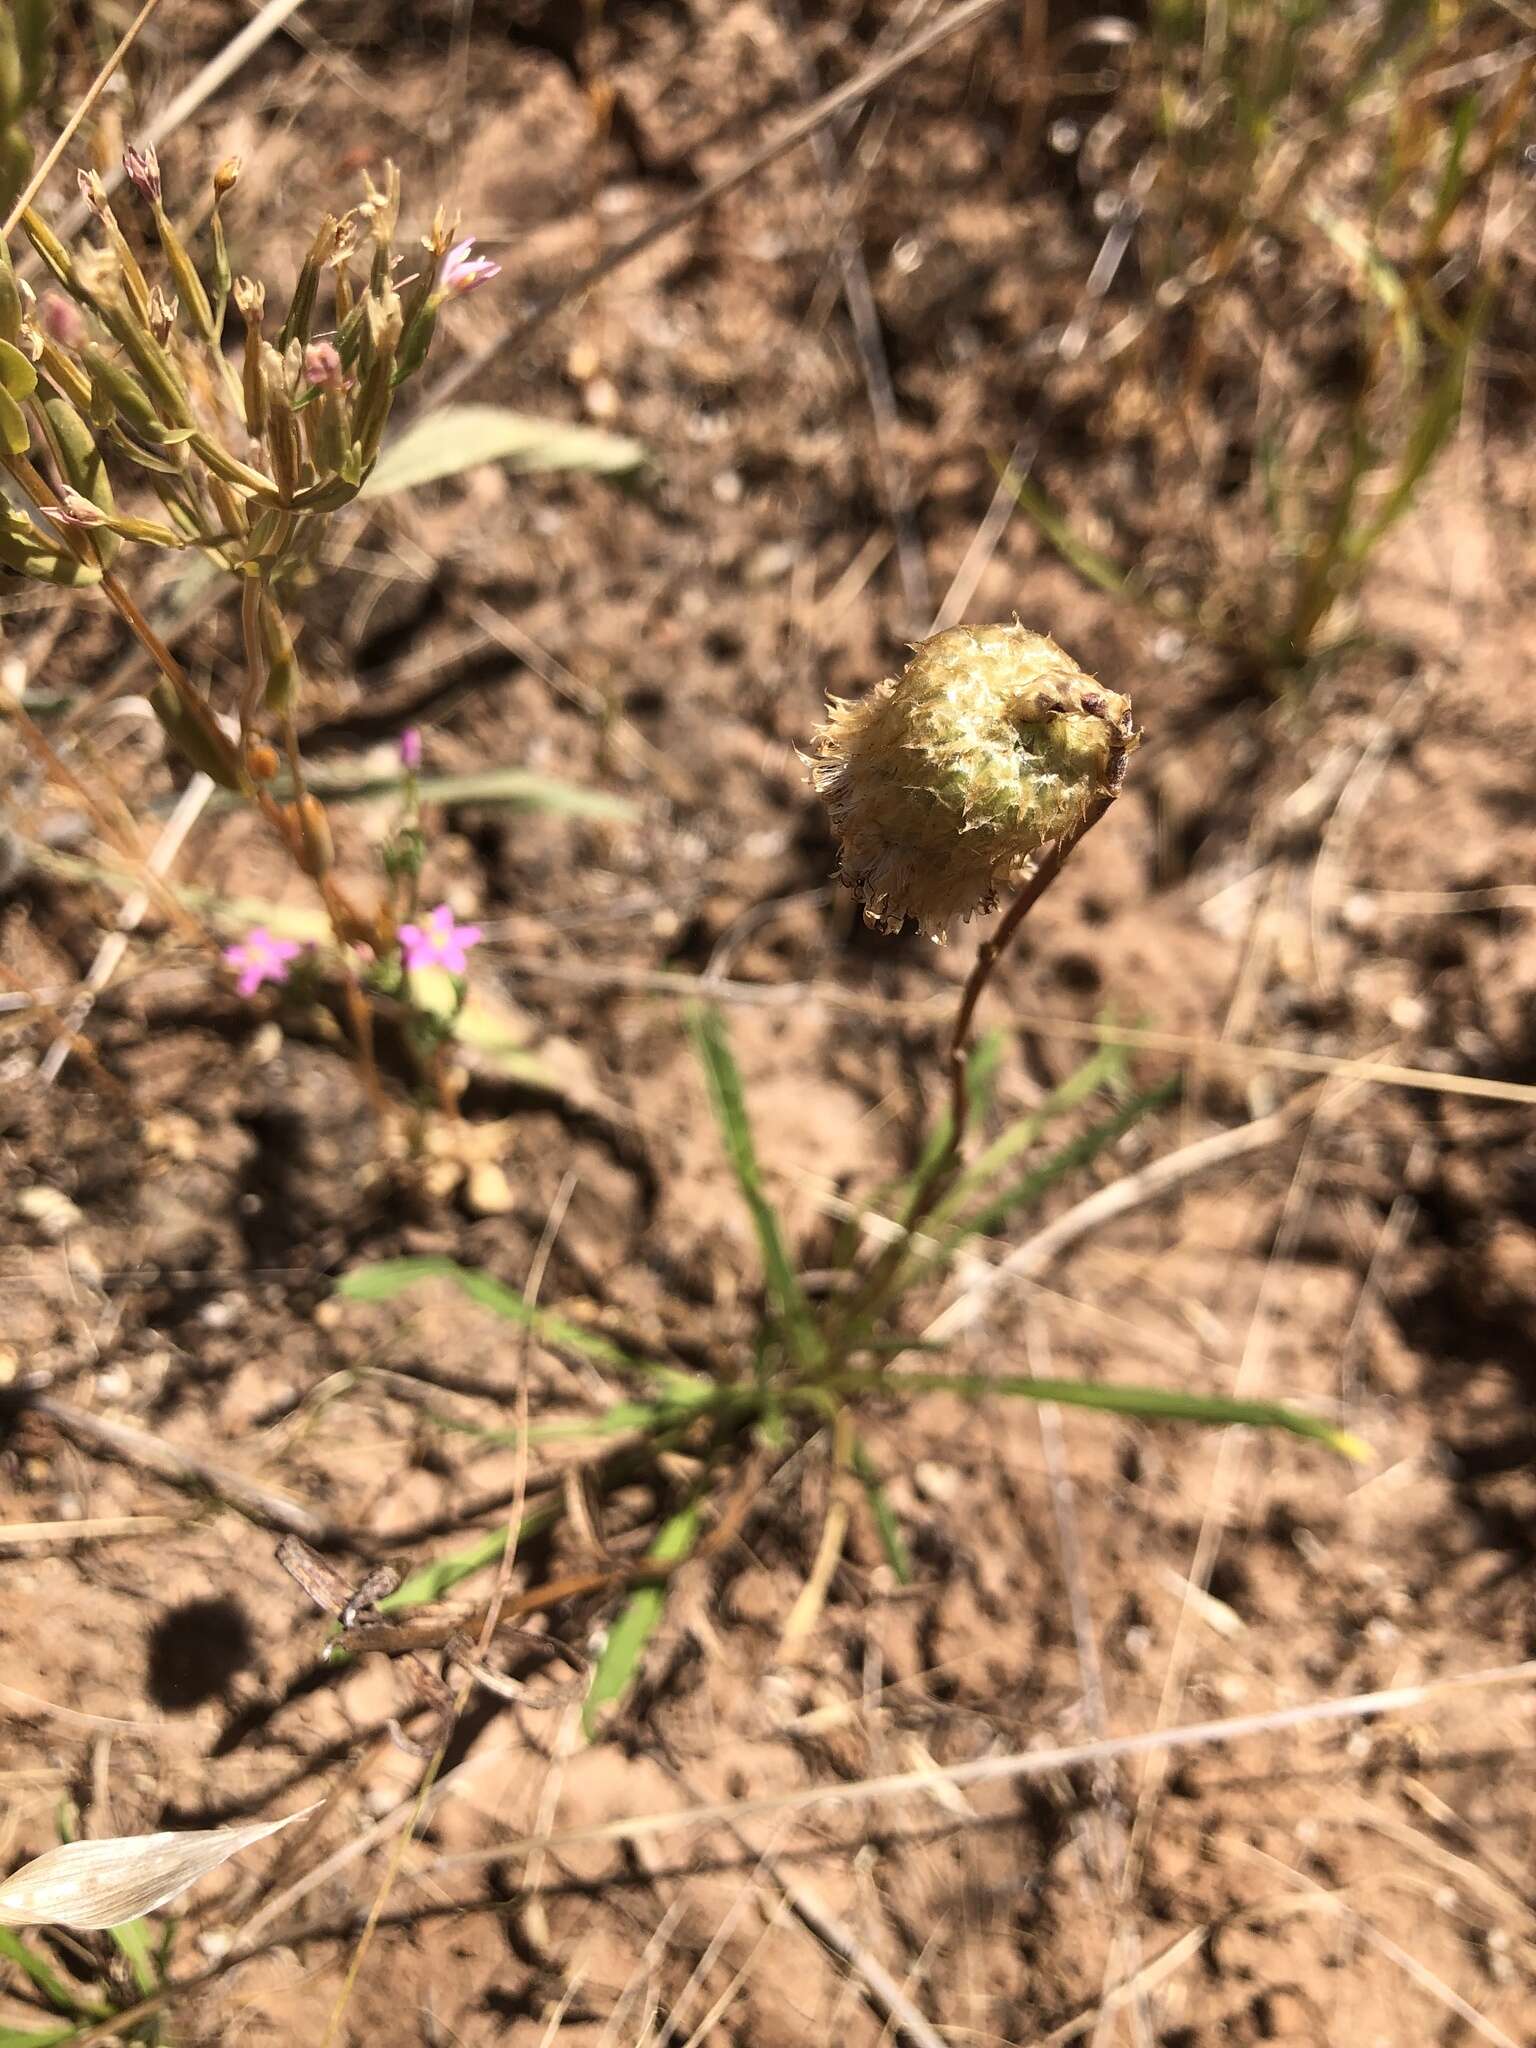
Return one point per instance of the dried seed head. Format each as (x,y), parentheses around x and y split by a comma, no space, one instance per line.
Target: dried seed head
(942,782)
(250,300)
(93,192)
(226,177)
(163,308)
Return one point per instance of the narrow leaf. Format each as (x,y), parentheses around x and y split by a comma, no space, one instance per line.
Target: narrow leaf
(1101,1067)
(1080,1152)
(132,1938)
(1160,1404)
(520,788)
(887,1527)
(24,2037)
(386,1278)
(456,438)
(47,1979)
(435,1581)
(101,1884)
(729,1102)
(1094,568)
(637,1623)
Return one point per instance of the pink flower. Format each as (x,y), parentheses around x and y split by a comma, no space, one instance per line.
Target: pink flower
(410,749)
(322,366)
(462,272)
(439,942)
(260,957)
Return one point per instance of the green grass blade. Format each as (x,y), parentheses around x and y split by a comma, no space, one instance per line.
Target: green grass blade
(518,788)
(684,1400)
(887,1527)
(386,1278)
(1100,1070)
(1432,426)
(1079,1152)
(728,1099)
(436,1580)
(636,1625)
(1094,568)
(1157,1404)
(24,2037)
(132,1938)
(46,1979)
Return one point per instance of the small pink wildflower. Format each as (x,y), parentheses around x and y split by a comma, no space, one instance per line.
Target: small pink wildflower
(322,367)
(260,957)
(439,942)
(463,272)
(410,749)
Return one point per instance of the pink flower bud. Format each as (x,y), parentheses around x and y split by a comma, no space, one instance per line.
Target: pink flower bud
(410,749)
(61,320)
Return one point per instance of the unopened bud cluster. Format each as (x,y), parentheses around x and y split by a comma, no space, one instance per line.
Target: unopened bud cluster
(943,782)
(118,380)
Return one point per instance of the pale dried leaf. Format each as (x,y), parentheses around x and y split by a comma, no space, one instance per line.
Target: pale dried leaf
(102,1884)
(459,437)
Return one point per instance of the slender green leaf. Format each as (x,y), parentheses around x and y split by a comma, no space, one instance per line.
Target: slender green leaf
(785,1294)
(132,1938)
(435,1581)
(1094,568)
(386,1278)
(1079,1152)
(636,1624)
(1158,1404)
(684,1399)
(520,788)
(455,438)
(887,1527)
(1097,1071)
(24,2037)
(1432,425)
(47,1979)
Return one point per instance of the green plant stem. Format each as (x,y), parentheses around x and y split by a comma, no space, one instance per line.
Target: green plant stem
(935,1182)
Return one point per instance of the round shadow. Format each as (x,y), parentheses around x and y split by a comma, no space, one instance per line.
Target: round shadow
(194,1651)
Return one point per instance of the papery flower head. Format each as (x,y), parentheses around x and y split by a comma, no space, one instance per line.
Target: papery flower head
(462,271)
(142,169)
(943,781)
(410,749)
(438,941)
(260,957)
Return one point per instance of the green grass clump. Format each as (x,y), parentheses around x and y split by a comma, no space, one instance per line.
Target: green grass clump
(819,1361)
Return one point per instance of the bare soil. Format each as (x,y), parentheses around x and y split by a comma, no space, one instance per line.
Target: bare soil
(1275,875)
